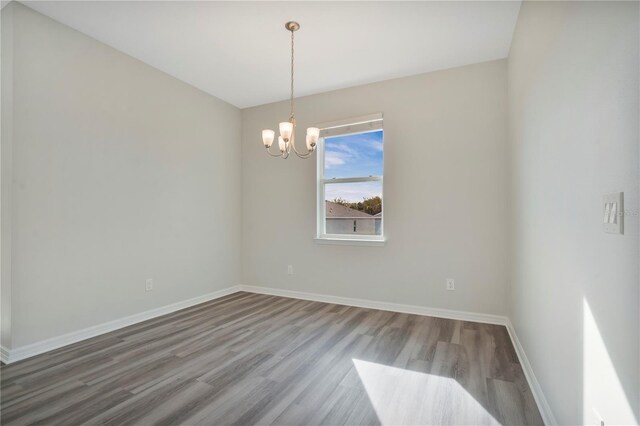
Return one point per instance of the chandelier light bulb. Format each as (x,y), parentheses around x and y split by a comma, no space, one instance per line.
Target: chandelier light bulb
(282,145)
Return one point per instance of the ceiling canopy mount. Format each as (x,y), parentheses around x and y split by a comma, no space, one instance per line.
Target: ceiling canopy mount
(292,26)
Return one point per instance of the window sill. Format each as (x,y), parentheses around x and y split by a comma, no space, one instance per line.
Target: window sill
(350,242)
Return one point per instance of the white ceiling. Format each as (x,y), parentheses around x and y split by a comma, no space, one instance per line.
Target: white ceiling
(239,51)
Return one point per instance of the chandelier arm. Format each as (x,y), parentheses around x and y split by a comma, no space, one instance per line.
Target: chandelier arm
(273,155)
(301,155)
(304,156)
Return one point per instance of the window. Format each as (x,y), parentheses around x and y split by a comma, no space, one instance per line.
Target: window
(350,174)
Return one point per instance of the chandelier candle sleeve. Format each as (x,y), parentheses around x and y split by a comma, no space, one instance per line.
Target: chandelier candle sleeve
(286,128)
(312,137)
(313,133)
(287,138)
(267,137)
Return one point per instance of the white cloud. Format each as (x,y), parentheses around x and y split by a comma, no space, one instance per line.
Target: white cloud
(346,149)
(332,159)
(339,154)
(376,145)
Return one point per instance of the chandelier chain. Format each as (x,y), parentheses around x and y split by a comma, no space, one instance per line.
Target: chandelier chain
(292,56)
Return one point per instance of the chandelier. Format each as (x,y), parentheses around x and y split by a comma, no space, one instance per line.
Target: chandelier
(286,140)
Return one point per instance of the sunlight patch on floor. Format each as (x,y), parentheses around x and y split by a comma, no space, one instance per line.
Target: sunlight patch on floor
(405,397)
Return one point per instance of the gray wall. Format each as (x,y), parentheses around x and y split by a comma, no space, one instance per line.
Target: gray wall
(120,173)
(574,299)
(6,129)
(445,195)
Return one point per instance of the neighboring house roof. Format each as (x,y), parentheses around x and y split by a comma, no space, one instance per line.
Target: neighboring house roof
(338,210)
(378,214)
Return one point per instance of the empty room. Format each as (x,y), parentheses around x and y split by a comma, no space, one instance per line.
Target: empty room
(320,213)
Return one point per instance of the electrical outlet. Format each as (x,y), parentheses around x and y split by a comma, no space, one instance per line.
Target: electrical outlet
(149,284)
(451,284)
(290,270)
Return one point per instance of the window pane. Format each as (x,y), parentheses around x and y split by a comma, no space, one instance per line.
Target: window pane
(353,208)
(356,155)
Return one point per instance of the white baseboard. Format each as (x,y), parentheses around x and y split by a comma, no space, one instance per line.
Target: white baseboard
(17,354)
(383,306)
(541,401)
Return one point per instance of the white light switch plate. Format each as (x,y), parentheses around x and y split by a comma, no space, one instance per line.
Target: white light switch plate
(613,213)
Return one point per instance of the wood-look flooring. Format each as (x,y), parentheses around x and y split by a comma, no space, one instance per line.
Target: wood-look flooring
(256,359)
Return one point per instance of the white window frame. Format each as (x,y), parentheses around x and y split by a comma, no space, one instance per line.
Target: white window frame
(353,126)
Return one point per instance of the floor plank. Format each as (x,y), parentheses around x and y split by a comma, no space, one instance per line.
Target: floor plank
(257,359)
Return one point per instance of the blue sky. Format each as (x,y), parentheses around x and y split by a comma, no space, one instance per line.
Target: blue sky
(353,156)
